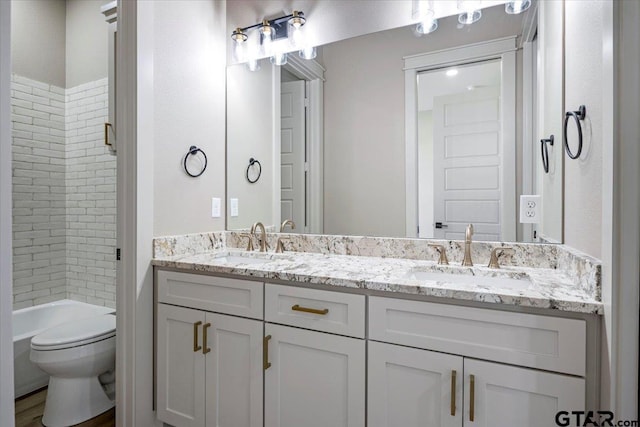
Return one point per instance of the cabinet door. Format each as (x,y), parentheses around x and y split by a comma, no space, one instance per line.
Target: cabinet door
(413,388)
(315,379)
(234,371)
(507,396)
(180,375)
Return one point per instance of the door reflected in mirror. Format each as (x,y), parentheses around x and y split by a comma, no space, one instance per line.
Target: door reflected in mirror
(331,135)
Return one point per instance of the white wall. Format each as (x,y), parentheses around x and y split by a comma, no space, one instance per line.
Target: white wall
(86,42)
(189,109)
(583,177)
(38,40)
(6,331)
(364,164)
(425,172)
(249,128)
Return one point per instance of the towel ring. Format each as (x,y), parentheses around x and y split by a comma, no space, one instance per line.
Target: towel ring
(545,152)
(577,116)
(193,150)
(253,162)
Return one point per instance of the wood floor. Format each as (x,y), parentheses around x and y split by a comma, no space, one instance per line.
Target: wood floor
(29,411)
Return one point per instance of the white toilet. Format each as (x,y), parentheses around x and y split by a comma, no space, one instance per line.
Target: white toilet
(80,358)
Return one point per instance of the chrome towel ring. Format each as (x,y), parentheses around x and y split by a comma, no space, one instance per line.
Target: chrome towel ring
(577,117)
(545,152)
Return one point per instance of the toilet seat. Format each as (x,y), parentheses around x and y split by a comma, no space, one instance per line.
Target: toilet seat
(76,333)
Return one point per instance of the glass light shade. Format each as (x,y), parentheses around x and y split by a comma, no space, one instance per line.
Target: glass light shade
(279,59)
(240,51)
(253,65)
(427,26)
(515,7)
(297,20)
(468,18)
(267,32)
(308,52)
(239,36)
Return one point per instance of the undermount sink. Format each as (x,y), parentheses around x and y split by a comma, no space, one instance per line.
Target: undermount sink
(242,259)
(503,281)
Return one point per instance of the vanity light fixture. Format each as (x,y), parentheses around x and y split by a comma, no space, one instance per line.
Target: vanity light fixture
(471,12)
(515,7)
(271,30)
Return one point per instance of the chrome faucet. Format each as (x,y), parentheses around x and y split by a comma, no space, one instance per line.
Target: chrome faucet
(467,262)
(263,235)
(279,244)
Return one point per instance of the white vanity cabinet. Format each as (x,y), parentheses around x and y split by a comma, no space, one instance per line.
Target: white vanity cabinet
(314,378)
(209,365)
(411,386)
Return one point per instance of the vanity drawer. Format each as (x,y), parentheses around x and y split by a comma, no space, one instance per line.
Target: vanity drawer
(326,311)
(210,293)
(542,342)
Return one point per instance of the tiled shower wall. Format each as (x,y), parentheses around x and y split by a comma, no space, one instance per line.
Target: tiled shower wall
(63,193)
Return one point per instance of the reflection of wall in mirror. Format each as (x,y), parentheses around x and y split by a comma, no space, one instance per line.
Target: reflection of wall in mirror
(249,134)
(364,120)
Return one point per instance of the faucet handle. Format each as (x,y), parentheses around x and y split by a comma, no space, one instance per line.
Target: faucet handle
(442,260)
(249,241)
(496,253)
(279,245)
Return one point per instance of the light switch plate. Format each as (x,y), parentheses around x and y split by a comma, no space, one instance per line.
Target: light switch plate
(530,209)
(215,207)
(233,207)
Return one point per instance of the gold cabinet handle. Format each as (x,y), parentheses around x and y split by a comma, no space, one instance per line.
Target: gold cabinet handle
(472,398)
(453,392)
(310,310)
(205,349)
(265,352)
(107,125)
(196,347)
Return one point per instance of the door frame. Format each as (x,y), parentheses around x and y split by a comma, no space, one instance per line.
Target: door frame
(313,74)
(7,417)
(503,49)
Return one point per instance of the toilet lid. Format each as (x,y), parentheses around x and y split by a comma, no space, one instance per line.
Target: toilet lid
(76,333)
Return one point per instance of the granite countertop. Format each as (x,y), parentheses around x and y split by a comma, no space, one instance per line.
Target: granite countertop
(527,287)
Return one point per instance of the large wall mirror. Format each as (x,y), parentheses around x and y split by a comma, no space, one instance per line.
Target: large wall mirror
(391,134)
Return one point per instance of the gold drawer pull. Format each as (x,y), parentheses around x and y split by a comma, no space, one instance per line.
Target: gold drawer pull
(453,392)
(265,352)
(107,125)
(205,349)
(310,310)
(196,347)
(472,398)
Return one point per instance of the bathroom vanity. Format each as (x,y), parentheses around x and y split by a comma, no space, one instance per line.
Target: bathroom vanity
(323,339)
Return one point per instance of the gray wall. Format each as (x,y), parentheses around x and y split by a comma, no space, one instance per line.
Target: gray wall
(38,40)
(364,173)
(86,58)
(59,42)
(583,177)
(190,39)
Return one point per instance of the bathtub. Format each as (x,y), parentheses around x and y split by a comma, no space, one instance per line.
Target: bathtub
(27,323)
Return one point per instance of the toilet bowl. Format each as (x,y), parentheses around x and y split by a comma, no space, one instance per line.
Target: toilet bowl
(77,355)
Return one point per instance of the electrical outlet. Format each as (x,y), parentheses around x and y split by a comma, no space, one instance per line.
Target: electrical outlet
(530,209)
(233,207)
(215,207)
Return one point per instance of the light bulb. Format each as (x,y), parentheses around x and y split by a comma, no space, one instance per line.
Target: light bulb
(308,52)
(279,59)
(515,7)
(297,20)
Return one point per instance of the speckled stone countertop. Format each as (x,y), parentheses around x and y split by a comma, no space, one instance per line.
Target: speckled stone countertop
(549,288)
